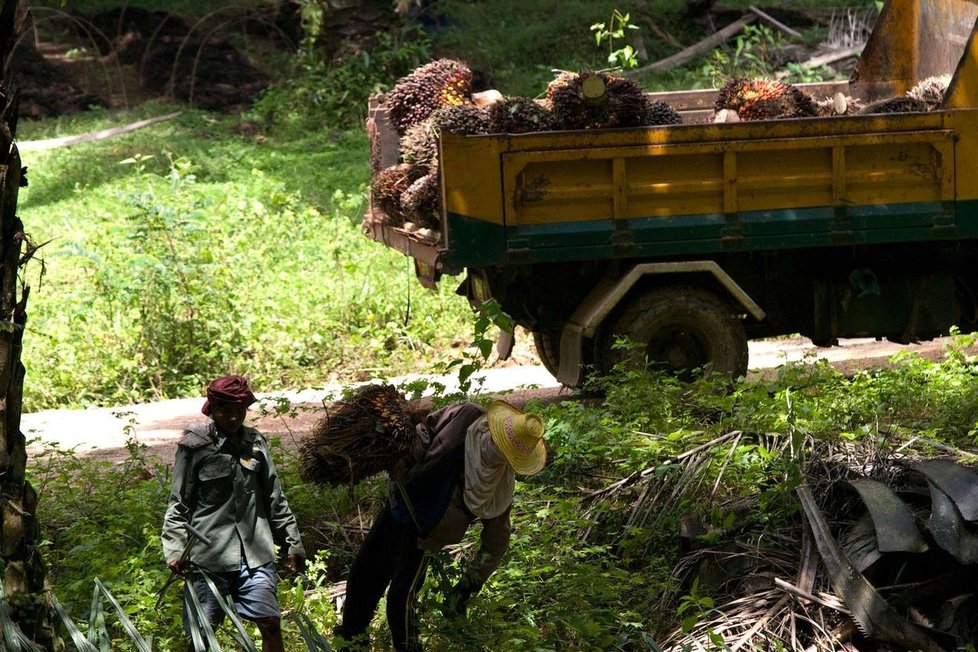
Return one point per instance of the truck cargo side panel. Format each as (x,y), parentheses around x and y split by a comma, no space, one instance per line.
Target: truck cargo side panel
(756,194)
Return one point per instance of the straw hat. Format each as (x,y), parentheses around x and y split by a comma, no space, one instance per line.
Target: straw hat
(518,436)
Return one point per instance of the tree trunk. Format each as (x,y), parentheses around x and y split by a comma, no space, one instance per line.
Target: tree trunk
(21,568)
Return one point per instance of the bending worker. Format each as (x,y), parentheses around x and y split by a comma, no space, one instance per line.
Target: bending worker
(465,475)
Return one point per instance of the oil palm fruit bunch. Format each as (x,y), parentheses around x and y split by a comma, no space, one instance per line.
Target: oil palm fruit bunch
(465,119)
(764,99)
(419,145)
(627,105)
(421,202)
(443,82)
(905,104)
(660,113)
(595,100)
(387,187)
(931,91)
(363,435)
(518,115)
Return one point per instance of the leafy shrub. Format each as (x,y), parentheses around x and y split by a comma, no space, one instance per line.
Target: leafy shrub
(323,92)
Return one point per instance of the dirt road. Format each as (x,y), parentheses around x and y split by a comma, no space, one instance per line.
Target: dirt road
(103,432)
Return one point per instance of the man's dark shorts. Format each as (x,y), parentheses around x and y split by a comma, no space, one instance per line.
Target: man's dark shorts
(251,590)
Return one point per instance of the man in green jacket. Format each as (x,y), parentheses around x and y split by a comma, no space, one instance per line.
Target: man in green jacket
(226,487)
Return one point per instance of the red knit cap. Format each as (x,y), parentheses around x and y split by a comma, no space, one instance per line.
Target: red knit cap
(233,390)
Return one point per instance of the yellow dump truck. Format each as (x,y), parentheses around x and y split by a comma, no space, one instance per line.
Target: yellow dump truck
(694,238)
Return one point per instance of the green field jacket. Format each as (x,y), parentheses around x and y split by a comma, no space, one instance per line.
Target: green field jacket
(233,496)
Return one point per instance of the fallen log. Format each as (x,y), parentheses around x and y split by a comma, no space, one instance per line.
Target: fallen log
(92,136)
(697,49)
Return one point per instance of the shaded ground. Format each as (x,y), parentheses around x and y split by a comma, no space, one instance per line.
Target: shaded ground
(124,56)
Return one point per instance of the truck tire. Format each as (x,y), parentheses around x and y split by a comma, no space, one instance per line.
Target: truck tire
(547,344)
(686,331)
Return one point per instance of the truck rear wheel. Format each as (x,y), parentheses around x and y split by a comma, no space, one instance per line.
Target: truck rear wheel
(547,343)
(685,331)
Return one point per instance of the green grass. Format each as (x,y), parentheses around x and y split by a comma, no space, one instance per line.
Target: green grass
(184,251)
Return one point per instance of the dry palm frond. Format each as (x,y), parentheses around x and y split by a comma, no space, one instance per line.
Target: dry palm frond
(366,434)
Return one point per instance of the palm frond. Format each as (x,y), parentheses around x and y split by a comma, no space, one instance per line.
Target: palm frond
(81,642)
(142,645)
(240,634)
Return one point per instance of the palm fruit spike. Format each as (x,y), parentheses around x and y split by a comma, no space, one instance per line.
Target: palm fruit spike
(764,99)
(518,115)
(387,187)
(444,82)
(421,202)
(419,144)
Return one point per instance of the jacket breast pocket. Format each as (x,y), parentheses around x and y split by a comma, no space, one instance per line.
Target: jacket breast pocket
(215,482)
(251,470)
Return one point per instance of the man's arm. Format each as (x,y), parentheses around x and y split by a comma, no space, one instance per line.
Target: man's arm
(495,542)
(179,509)
(282,520)
(495,537)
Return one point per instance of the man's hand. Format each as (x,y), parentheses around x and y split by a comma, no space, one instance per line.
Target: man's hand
(457,602)
(179,567)
(297,563)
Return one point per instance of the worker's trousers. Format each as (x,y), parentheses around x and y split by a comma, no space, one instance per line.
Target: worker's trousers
(389,556)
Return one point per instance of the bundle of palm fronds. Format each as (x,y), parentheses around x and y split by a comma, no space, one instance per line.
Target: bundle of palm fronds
(764,99)
(365,434)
